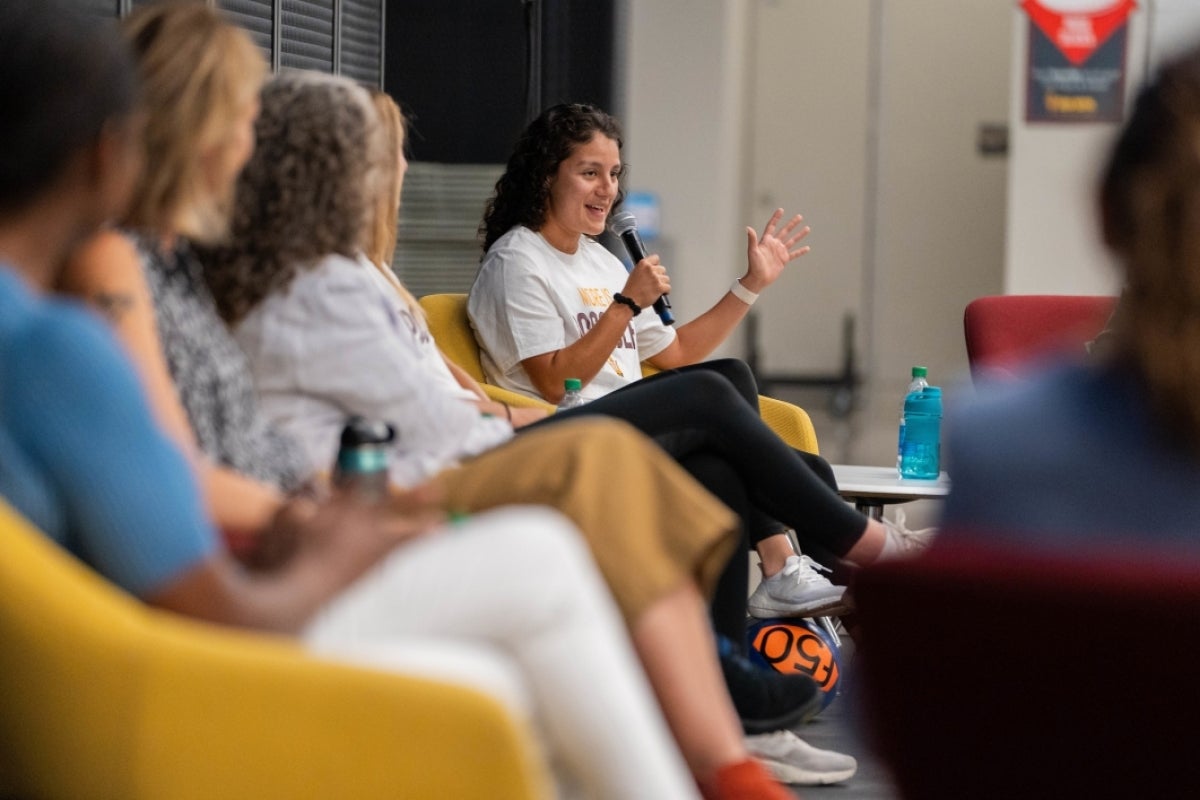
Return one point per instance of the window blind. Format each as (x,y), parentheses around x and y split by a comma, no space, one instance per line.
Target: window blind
(257,17)
(306,35)
(437,249)
(312,34)
(361,33)
(99,8)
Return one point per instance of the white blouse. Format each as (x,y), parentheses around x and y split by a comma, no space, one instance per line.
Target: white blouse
(340,341)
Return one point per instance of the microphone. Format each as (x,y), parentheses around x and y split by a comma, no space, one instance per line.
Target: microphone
(624,225)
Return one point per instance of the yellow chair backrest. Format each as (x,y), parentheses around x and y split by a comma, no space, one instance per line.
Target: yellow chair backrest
(71,659)
(451,329)
(103,697)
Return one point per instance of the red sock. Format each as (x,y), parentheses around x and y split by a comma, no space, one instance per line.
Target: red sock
(745,780)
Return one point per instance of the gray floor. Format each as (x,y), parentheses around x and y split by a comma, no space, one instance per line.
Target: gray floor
(838,728)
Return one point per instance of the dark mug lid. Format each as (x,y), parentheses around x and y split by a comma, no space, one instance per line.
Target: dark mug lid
(361,431)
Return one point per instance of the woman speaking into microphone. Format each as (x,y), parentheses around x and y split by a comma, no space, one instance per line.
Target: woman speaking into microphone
(550,303)
(559,190)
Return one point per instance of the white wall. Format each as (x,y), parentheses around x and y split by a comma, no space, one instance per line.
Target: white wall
(1053,244)
(723,132)
(684,97)
(808,141)
(1174,24)
(940,203)
(947,224)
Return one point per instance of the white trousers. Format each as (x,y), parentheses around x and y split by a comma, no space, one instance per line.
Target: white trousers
(510,603)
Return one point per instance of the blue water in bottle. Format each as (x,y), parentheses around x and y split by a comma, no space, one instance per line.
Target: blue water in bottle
(920,455)
(920,380)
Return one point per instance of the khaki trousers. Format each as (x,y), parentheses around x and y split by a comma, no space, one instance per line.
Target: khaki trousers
(649,526)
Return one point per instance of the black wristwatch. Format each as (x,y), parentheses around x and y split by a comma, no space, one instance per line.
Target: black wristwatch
(625,301)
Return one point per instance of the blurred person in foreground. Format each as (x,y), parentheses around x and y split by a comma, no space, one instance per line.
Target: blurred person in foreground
(1109,451)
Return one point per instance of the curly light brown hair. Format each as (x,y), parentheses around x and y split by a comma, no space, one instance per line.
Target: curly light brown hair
(308,192)
(1150,215)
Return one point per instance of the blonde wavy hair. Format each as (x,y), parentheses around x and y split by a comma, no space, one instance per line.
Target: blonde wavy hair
(381,239)
(308,191)
(381,242)
(1150,210)
(199,73)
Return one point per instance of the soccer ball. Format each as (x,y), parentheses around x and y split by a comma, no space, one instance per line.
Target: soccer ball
(797,645)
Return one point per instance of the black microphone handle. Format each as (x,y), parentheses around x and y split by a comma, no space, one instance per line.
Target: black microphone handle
(637,251)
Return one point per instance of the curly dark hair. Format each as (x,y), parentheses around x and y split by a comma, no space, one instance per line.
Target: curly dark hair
(306,193)
(523,190)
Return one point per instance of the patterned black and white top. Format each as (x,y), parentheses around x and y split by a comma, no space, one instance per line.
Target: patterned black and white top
(211,372)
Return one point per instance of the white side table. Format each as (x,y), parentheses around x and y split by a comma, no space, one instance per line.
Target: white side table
(871,488)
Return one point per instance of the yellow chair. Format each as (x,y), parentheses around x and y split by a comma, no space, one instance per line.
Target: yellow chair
(104,697)
(451,329)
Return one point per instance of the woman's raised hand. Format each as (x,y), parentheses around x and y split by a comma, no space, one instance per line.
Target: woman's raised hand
(766,256)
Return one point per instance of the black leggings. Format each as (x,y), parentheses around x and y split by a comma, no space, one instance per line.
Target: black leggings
(701,417)
(698,410)
(758,524)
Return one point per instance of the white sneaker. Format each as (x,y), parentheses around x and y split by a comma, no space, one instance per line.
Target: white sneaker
(797,590)
(793,760)
(903,543)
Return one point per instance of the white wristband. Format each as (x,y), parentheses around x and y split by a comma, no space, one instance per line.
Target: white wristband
(742,293)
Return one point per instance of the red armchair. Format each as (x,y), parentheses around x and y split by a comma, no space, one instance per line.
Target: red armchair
(1004,331)
(989,672)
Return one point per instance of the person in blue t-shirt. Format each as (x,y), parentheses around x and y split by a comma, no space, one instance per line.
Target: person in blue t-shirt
(1109,451)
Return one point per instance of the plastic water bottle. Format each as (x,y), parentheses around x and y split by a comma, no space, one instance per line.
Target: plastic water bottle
(920,456)
(572,397)
(362,459)
(918,383)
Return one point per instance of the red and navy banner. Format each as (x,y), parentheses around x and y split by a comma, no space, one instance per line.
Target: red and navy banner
(1076,68)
